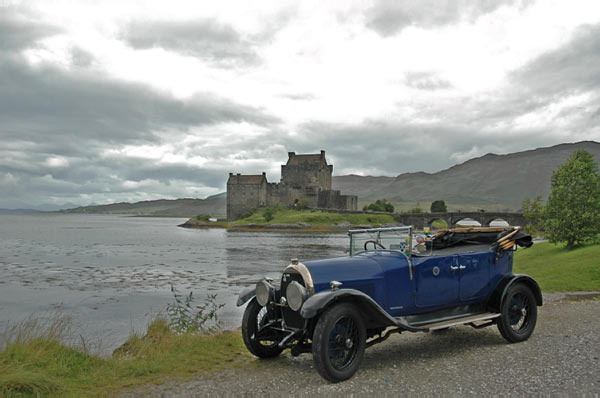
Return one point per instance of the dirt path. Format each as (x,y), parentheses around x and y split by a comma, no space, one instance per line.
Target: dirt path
(562,356)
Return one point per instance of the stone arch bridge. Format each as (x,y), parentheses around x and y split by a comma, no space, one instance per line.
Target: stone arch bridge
(420,220)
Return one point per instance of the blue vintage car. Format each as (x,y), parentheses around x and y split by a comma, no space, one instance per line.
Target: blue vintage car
(394,280)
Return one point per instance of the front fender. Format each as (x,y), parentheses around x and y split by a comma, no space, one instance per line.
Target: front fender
(374,315)
(497,297)
(245,295)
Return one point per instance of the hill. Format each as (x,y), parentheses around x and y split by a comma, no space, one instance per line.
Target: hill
(213,205)
(492,182)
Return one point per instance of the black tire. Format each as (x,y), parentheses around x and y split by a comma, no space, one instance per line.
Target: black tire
(255,316)
(518,314)
(338,343)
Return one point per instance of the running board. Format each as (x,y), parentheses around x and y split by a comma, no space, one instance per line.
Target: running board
(460,321)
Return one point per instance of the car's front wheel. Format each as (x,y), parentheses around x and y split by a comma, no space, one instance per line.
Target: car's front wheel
(263,343)
(518,314)
(338,343)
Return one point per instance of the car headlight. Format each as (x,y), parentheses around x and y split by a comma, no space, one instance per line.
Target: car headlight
(263,292)
(295,294)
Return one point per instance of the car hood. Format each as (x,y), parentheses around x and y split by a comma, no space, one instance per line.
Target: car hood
(351,271)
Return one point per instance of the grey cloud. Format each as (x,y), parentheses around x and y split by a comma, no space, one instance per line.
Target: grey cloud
(299,96)
(388,17)
(574,67)
(19,30)
(47,112)
(81,57)
(426,81)
(206,39)
(77,106)
(392,148)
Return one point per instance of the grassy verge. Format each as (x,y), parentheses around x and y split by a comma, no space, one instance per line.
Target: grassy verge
(312,217)
(559,270)
(283,218)
(38,364)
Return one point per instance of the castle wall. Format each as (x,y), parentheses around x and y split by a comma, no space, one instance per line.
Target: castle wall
(243,196)
(305,179)
(332,199)
(307,171)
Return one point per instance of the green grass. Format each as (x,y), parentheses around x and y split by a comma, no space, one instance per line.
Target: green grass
(559,270)
(40,365)
(314,218)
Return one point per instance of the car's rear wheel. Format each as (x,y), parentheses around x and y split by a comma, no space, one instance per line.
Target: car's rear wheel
(518,314)
(338,343)
(262,343)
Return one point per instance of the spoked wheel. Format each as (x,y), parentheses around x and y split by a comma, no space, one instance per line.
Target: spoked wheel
(519,314)
(339,342)
(261,342)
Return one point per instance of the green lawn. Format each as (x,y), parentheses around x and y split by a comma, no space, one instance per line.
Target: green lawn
(314,218)
(559,270)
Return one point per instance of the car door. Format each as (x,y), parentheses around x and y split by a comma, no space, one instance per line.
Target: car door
(474,275)
(436,281)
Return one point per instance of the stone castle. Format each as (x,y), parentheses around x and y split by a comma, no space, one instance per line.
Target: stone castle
(305,179)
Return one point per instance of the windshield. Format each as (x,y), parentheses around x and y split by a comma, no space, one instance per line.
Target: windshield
(395,238)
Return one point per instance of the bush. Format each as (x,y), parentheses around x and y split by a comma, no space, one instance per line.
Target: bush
(267,213)
(416,210)
(185,317)
(380,205)
(573,208)
(439,206)
(202,217)
(302,204)
(247,214)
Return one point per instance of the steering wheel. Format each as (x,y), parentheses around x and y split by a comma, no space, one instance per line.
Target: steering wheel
(375,244)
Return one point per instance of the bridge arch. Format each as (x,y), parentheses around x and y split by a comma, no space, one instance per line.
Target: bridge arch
(438,223)
(499,221)
(468,220)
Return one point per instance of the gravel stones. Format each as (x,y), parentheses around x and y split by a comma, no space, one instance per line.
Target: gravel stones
(561,357)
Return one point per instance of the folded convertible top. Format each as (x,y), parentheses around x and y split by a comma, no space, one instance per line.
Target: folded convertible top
(500,238)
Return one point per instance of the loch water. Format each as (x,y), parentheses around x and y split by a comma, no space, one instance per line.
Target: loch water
(111,274)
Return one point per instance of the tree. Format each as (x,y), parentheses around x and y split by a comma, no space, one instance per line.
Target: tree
(533,211)
(439,206)
(573,207)
(380,205)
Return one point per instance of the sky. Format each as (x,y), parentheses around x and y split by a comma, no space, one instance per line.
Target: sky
(108,101)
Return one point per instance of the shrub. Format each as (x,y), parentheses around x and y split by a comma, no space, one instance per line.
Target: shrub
(247,214)
(202,217)
(267,213)
(185,317)
(380,205)
(302,204)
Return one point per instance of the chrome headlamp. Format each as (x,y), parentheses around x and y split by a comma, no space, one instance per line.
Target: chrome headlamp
(295,294)
(264,292)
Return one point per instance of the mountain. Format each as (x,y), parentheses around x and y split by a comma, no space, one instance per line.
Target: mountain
(213,205)
(19,211)
(488,182)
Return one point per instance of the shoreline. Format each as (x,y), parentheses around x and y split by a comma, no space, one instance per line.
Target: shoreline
(296,227)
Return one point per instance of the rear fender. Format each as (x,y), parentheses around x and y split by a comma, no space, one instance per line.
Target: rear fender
(373,315)
(498,296)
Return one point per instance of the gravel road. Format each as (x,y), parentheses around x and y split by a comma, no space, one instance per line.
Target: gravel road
(561,357)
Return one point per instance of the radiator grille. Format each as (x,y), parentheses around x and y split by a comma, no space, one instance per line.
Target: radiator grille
(291,318)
